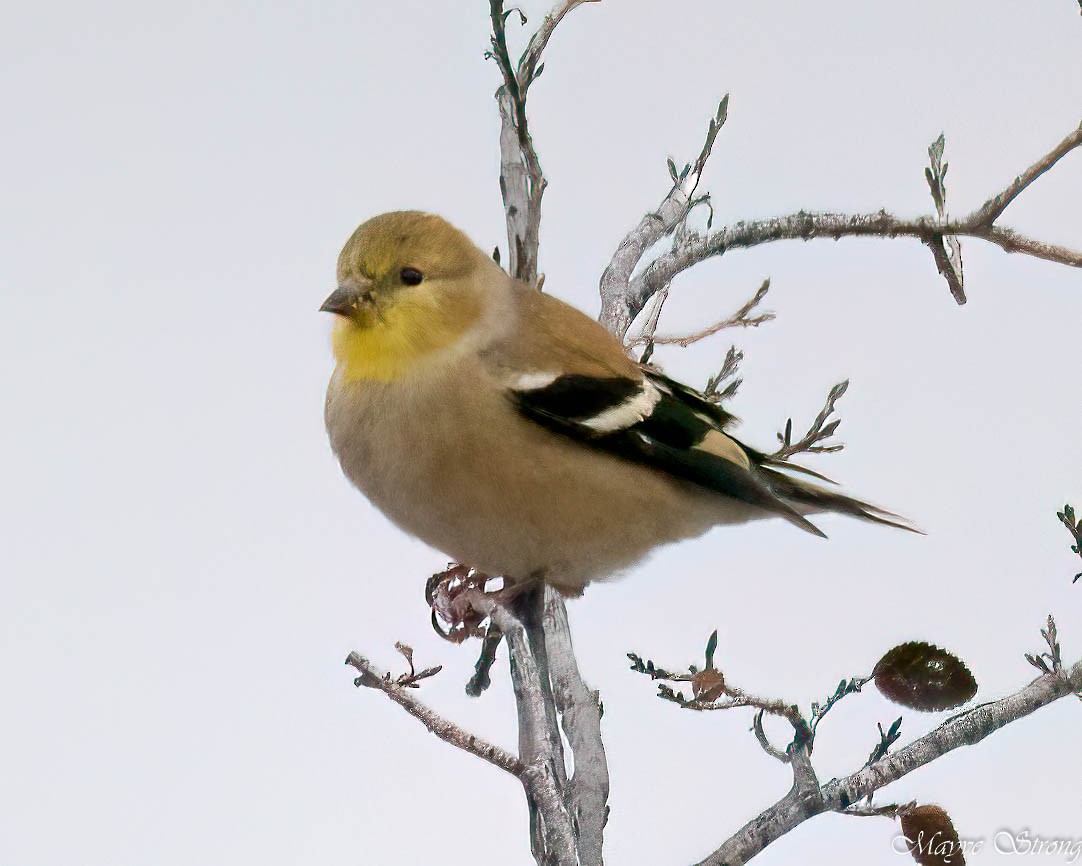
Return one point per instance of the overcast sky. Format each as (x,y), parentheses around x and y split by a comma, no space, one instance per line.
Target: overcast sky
(184,566)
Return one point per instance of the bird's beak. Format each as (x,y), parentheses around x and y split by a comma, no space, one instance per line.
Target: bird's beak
(347,299)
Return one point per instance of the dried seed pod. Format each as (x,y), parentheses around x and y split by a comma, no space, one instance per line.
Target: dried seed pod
(708,685)
(931,838)
(924,677)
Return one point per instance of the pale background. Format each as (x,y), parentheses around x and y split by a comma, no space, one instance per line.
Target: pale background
(184,567)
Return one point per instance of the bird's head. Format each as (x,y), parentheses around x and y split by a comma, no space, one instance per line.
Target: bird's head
(409,283)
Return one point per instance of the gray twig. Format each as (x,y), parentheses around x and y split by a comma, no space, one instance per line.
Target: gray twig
(819,431)
(553,838)
(764,741)
(623,301)
(646,337)
(1067,518)
(580,717)
(742,318)
(567,817)
(375,678)
(887,739)
(844,689)
(727,376)
(844,795)
(946,249)
(522,182)
(992,209)
(616,313)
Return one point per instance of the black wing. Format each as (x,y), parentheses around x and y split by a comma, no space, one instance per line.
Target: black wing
(660,423)
(670,427)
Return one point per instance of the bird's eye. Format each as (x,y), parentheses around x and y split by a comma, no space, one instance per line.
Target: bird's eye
(411,276)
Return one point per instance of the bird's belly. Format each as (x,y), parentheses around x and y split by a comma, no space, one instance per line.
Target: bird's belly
(511,499)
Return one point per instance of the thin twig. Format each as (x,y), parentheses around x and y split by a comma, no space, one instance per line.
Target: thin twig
(887,739)
(621,304)
(991,210)
(840,795)
(616,280)
(844,689)
(646,337)
(522,183)
(764,741)
(530,61)
(373,677)
(819,431)
(727,374)
(732,698)
(740,319)
(1067,518)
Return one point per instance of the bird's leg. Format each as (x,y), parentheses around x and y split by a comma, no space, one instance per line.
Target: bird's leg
(481,678)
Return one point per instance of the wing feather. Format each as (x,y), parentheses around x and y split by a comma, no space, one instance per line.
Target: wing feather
(603,399)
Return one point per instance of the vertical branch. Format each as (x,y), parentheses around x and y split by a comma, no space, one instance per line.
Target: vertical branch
(549,691)
(531,611)
(553,839)
(580,711)
(521,195)
(521,182)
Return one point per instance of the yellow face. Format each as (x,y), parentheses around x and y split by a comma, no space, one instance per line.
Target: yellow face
(406,288)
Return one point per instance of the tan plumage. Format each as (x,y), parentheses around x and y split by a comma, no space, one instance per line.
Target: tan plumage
(511,431)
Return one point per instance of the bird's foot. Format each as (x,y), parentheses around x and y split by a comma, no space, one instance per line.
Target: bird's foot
(448,595)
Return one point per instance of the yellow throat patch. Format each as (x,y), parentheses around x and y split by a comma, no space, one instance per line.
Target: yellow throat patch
(385,346)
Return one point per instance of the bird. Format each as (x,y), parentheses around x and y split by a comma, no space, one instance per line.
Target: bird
(511,431)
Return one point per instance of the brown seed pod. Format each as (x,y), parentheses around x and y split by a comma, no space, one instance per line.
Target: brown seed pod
(924,677)
(931,838)
(708,685)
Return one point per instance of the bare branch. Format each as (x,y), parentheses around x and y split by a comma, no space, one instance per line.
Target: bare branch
(1015,242)
(580,715)
(1067,518)
(893,810)
(731,698)
(887,739)
(530,61)
(844,689)
(1054,663)
(819,431)
(727,372)
(373,677)
(539,746)
(646,337)
(946,249)
(522,183)
(948,265)
(991,210)
(622,302)
(616,314)
(798,753)
(839,795)
(739,319)
(760,735)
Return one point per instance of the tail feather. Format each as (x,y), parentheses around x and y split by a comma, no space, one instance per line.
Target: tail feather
(812,497)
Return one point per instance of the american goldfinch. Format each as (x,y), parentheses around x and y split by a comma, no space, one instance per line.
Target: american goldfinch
(512,432)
